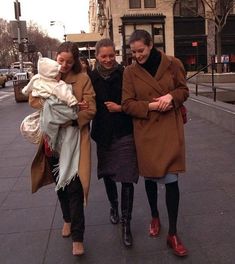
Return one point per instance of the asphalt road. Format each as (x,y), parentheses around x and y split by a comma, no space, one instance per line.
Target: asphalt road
(30,224)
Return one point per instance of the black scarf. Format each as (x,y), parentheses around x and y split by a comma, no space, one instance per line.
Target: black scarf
(153,62)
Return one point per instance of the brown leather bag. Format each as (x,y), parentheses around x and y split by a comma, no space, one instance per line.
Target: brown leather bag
(183,109)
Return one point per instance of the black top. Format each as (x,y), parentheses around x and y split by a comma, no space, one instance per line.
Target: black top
(153,62)
(109,125)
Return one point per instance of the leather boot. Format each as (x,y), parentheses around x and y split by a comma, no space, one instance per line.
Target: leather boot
(127,205)
(111,190)
(126,234)
(114,215)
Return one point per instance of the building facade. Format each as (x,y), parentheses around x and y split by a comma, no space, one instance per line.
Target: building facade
(177,27)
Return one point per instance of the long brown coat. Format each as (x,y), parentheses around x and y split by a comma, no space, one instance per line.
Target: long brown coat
(83,90)
(159,136)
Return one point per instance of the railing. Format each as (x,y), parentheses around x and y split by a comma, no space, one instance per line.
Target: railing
(212,65)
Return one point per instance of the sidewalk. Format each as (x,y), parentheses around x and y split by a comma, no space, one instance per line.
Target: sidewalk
(30,224)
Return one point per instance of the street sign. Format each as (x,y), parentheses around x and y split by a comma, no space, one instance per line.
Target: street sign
(14,24)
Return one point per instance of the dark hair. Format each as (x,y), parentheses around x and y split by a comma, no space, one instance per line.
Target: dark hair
(69,46)
(141,34)
(106,42)
(85,60)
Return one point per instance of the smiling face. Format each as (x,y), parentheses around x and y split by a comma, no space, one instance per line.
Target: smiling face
(65,59)
(140,51)
(106,57)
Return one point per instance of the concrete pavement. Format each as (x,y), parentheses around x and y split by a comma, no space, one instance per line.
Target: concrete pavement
(30,224)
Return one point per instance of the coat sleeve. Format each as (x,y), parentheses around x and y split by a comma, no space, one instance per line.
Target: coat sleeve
(35,102)
(181,91)
(88,94)
(130,104)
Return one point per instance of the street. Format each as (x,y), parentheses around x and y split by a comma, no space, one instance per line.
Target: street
(30,224)
(7,91)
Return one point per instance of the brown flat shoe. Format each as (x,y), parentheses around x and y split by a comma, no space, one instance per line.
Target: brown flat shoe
(66,230)
(78,249)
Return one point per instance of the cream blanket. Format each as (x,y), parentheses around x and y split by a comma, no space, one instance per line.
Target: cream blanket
(66,141)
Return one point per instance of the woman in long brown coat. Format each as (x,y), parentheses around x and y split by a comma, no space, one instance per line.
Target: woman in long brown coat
(154,87)
(74,195)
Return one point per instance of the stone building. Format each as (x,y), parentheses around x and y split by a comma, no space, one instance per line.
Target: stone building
(177,27)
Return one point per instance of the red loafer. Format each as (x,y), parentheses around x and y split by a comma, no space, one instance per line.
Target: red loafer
(176,245)
(154,227)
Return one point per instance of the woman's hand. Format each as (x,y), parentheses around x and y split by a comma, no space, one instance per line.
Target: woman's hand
(162,103)
(113,107)
(83,105)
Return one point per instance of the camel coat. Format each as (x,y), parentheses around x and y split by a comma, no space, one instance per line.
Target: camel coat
(40,172)
(159,136)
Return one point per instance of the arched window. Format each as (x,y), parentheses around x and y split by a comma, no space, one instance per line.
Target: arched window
(188,8)
(134,3)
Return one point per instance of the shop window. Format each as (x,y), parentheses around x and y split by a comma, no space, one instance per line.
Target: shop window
(135,3)
(149,3)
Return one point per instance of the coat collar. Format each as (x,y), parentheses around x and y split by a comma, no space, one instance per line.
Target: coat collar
(70,77)
(142,74)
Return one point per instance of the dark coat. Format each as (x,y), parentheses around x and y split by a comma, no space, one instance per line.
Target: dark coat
(159,136)
(107,125)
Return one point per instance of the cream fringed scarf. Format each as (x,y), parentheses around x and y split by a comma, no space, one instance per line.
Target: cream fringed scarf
(65,141)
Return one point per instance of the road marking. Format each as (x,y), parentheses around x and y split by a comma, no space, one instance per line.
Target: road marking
(5,95)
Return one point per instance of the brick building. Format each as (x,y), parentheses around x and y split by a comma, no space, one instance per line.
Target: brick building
(176,27)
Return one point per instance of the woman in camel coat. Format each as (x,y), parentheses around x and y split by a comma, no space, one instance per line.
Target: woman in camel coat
(154,87)
(73,196)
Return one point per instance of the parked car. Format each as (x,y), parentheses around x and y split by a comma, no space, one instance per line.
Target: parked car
(3,80)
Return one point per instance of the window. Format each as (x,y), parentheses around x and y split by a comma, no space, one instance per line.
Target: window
(149,3)
(135,3)
(189,8)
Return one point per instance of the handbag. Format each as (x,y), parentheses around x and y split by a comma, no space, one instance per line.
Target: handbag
(30,128)
(183,109)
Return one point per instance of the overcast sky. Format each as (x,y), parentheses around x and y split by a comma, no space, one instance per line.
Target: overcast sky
(73,14)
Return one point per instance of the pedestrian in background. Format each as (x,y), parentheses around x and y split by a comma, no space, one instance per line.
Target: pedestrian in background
(154,87)
(74,195)
(85,65)
(112,130)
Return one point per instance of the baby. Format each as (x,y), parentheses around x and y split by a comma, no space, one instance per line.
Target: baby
(48,83)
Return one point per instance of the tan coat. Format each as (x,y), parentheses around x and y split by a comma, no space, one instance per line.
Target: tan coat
(40,173)
(159,136)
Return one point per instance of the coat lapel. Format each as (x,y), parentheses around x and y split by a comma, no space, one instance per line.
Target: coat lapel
(142,74)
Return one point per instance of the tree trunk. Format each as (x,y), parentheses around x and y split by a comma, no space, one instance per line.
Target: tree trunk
(218,51)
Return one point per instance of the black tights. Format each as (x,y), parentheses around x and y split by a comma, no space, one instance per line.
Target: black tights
(172,202)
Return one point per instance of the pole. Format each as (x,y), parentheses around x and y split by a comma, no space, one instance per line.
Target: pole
(17,14)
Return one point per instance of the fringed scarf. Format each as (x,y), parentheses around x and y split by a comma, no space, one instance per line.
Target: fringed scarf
(106,73)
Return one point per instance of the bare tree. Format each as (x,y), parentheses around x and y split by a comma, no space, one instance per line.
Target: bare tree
(38,40)
(218,14)
(7,50)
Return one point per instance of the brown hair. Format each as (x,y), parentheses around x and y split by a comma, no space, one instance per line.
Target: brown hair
(106,42)
(69,46)
(141,34)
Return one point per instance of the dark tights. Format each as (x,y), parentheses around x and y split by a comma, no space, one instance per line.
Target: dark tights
(71,200)
(172,202)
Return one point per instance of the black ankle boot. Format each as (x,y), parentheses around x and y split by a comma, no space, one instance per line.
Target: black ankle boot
(114,215)
(126,234)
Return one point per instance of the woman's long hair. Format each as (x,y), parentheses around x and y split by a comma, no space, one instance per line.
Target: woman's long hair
(69,46)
